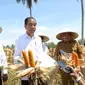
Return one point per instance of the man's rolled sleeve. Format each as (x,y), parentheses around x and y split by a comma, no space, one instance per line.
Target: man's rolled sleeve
(17,53)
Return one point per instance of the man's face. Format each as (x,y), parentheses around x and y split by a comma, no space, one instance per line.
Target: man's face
(30,27)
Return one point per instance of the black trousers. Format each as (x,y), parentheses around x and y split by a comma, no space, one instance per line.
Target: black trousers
(24,82)
(0,79)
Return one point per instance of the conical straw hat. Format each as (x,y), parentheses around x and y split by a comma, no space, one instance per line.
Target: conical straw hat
(45,38)
(74,35)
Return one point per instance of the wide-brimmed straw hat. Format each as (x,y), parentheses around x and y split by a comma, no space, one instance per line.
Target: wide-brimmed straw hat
(0,29)
(45,37)
(74,35)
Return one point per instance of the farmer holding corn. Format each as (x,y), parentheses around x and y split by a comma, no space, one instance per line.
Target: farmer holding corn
(67,44)
(28,41)
(3,65)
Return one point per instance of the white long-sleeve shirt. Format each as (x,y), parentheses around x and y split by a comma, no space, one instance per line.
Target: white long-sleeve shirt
(3,61)
(25,42)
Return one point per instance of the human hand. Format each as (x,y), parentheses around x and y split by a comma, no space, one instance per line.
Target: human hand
(5,77)
(73,73)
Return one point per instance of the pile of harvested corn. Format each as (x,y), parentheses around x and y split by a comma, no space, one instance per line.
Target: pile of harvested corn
(30,68)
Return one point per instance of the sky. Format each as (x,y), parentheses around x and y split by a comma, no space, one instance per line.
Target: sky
(52,17)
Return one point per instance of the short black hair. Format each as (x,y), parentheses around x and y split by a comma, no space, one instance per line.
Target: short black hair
(27,19)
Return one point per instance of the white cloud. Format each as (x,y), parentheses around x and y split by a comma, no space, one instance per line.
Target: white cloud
(7,42)
(12,34)
(16,31)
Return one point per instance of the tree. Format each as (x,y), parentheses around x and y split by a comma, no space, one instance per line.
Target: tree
(7,46)
(51,45)
(28,3)
(12,46)
(80,41)
(82,22)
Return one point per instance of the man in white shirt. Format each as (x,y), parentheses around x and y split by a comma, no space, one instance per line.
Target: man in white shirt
(28,41)
(3,65)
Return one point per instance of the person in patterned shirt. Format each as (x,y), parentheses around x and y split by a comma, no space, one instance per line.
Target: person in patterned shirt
(67,44)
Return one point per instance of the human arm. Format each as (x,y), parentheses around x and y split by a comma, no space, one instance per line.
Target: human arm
(3,63)
(17,52)
(76,77)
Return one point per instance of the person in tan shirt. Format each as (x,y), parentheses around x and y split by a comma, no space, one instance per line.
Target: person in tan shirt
(67,44)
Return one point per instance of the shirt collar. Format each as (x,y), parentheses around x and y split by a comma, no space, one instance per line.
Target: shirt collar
(27,36)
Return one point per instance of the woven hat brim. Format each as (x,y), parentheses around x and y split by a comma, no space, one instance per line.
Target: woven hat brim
(45,38)
(74,35)
(0,29)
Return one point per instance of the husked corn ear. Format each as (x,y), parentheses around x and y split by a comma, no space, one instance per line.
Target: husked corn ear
(26,58)
(76,59)
(31,58)
(24,72)
(73,59)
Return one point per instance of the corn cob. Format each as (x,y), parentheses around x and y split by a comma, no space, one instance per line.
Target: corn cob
(26,58)
(24,72)
(73,59)
(76,59)
(31,58)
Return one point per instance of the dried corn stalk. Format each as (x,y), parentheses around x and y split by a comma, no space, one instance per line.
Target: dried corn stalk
(17,67)
(24,72)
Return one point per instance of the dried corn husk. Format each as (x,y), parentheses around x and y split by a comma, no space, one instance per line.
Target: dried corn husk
(82,62)
(43,70)
(24,72)
(70,62)
(63,58)
(21,61)
(17,67)
(37,63)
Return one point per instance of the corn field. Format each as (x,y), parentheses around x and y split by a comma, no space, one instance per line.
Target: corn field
(11,73)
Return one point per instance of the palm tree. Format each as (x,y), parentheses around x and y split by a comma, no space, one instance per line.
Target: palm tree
(82,8)
(82,23)
(28,3)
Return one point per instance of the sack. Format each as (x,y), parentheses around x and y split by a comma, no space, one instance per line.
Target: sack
(50,64)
